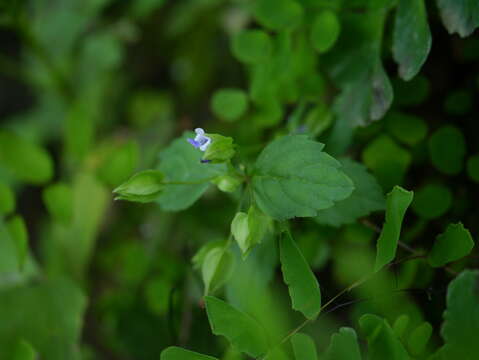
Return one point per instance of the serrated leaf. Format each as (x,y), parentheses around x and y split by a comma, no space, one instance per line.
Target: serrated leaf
(181,162)
(303,286)
(459,16)
(177,353)
(412,37)
(382,342)
(244,332)
(461,318)
(293,177)
(366,197)
(216,268)
(451,245)
(303,347)
(343,346)
(419,338)
(398,200)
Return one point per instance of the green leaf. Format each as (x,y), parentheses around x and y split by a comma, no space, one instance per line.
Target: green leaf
(461,318)
(366,197)
(216,268)
(58,199)
(400,325)
(18,232)
(302,284)
(412,37)
(251,46)
(398,200)
(419,338)
(459,16)
(383,343)
(24,351)
(24,160)
(472,169)
(229,104)
(278,14)
(181,162)
(250,229)
(221,149)
(387,160)
(7,199)
(51,318)
(432,201)
(459,102)
(409,129)
(343,346)
(303,347)
(144,186)
(293,177)
(452,245)
(177,353)
(325,31)
(246,335)
(119,163)
(447,149)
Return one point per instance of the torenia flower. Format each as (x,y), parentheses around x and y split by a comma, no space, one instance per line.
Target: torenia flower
(200,141)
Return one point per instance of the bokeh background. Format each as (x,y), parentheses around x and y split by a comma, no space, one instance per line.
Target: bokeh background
(91,91)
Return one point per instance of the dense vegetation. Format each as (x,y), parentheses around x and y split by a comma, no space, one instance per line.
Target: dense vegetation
(239,179)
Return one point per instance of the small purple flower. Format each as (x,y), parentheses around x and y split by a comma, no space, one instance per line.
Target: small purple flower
(200,141)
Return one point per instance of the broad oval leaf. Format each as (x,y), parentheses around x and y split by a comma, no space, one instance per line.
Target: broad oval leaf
(177,353)
(452,245)
(229,104)
(303,347)
(293,177)
(367,197)
(302,284)
(412,37)
(398,200)
(181,162)
(447,148)
(325,31)
(278,14)
(244,332)
(343,346)
(251,46)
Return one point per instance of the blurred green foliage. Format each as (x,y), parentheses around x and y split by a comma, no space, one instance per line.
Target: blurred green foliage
(293,235)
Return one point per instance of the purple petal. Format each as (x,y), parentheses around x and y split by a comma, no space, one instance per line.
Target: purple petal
(194,143)
(205,161)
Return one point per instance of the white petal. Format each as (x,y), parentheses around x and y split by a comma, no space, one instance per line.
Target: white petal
(199,131)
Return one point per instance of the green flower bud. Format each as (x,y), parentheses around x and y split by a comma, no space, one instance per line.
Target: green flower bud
(220,150)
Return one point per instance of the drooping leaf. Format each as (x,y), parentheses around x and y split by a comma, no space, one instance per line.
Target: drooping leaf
(229,104)
(447,149)
(452,245)
(216,268)
(461,318)
(244,332)
(177,353)
(145,186)
(459,16)
(419,338)
(343,346)
(293,177)
(303,286)
(398,200)
(181,162)
(24,160)
(382,342)
(412,37)
(303,347)
(366,197)
(51,318)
